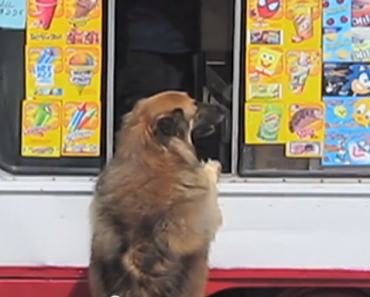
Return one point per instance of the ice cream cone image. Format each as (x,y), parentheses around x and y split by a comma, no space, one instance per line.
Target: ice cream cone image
(45,12)
(80,89)
(81,73)
(83,8)
(299,73)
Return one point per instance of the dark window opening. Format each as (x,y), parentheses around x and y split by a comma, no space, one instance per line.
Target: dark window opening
(152,57)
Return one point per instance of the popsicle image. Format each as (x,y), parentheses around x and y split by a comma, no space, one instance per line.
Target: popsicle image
(76,118)
(87,117)
(83,8)
(82,65)
(42,115)
(47,56)
(45,12)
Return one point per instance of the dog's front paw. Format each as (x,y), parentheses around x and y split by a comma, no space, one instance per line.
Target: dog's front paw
(213,168)
(215,165)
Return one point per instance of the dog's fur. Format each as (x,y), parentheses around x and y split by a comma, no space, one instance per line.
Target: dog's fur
(155,209)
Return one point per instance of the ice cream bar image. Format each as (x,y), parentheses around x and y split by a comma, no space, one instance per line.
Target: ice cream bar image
(47,56)
(77,116)
(45,12)
(88,116)
(42,116)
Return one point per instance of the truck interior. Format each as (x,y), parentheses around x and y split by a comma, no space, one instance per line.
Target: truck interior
(212,68)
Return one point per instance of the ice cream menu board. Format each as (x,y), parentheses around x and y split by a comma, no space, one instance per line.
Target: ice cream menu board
(62,110)
(284,74)
(286,101)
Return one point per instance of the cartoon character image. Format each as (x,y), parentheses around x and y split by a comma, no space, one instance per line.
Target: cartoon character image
(342,155)
(335,76)
(361,112)
(266,9)
(358,81)
(338,149)
(359,150)
(347,149)
(267,61)
(305,121)
(333,85)
(347,114)
(340,111)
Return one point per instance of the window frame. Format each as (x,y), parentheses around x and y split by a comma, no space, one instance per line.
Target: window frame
(238,142)
(107,86)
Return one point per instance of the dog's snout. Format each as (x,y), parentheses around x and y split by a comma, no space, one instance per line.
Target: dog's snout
(206,118)
(210,114)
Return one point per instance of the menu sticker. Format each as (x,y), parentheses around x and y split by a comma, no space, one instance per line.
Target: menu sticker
(337,35)
(265,75)
(264,123)
(306,130)
(13,14)
(41,128)
(347,136)
(265,22)
(346,79)
(45,22)
(44,72)
(83,72)
(303,24)
(85,22)
(304,71)
(360,13)
(81,128)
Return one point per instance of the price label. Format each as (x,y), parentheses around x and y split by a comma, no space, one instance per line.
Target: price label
(12,14)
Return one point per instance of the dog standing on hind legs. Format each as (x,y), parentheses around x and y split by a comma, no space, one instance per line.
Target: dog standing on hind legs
(155,211)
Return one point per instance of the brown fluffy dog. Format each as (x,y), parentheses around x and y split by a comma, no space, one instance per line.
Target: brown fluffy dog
(155,208)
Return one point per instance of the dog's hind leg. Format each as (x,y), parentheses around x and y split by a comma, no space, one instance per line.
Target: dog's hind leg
(198,278)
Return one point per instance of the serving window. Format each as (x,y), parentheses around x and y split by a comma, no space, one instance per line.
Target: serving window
(57,104)
(304,88)
(52,90)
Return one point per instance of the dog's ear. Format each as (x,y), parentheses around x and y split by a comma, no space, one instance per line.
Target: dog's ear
(171,125)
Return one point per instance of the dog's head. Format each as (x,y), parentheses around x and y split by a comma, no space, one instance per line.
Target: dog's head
(175,115)
(170,115)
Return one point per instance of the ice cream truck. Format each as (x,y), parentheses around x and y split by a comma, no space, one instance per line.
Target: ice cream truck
(295,148)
